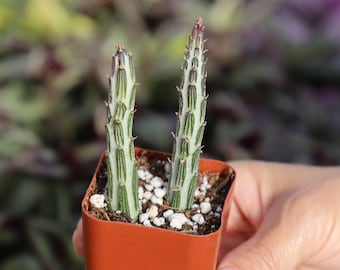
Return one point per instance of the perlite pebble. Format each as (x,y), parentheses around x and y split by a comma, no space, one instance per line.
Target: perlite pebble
(205,207)
(156,200)
(140,193)
(147,223)
(159,192)
(158,221)
(144,175)
(152,211)
(168,213)
(98,200)
(195,206)
(205,180)
(203,188)
(154,191)
(198,218)
(147,195)
(148,176)
(141,174)
(157,182)
(177,221)
(148,187)
(143,217)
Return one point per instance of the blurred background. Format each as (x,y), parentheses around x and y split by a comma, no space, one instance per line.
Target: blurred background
(273,81)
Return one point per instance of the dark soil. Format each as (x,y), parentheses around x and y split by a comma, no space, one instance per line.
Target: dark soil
(220,185)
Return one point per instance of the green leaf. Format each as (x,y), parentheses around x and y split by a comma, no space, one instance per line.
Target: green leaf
(28,194)
(16,139)
(21,105)
(20,261)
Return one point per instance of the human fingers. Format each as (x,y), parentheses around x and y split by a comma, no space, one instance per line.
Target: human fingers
(300,231)
(77,238)
(259,183)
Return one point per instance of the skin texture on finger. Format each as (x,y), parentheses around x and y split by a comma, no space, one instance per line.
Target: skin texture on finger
(322,202)
(259,186)
(300,232)
(259,183)
(77,238)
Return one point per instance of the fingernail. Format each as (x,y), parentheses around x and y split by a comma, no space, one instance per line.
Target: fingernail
(225,268)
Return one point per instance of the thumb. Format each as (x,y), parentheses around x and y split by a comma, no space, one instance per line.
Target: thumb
(275,245)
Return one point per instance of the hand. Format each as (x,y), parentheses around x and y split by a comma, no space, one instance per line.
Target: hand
(283,217)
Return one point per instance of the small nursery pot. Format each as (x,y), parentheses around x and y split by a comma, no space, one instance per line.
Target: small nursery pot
(113,245)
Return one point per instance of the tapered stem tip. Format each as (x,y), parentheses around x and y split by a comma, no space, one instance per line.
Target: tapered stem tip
(199,22)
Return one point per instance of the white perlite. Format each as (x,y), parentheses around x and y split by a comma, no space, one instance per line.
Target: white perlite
(177,221)
(147,223)
(152,211)
(197,193)
(143,217)
(152,195)
(98,201)
(148,176)
(168,213)
(205,207)
(198,218)
(195,206)
(140,193)
(156,200)
(149,187)
(159,192)
(158,221)
(147,195)
(144,175)
(157,182)
(141,174)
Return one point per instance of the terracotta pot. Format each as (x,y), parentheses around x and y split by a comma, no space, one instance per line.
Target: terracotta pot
(123,246)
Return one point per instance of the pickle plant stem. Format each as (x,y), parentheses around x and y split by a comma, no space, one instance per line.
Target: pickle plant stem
(190,122)
(121,164)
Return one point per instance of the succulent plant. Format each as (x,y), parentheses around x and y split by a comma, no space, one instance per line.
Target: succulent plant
(121,164)
(190,122)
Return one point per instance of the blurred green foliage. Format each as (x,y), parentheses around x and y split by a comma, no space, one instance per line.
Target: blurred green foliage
(274,84)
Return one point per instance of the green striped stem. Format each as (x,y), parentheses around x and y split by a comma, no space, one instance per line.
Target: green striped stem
(190,122)
(121,165)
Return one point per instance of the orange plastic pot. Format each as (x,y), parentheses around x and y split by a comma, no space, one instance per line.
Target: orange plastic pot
(122,246)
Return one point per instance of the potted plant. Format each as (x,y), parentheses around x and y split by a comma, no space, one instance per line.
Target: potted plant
(151,210)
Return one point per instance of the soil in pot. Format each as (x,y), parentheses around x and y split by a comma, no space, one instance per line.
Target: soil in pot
(203,218)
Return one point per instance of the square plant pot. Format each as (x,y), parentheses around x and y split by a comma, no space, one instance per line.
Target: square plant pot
(111,245)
